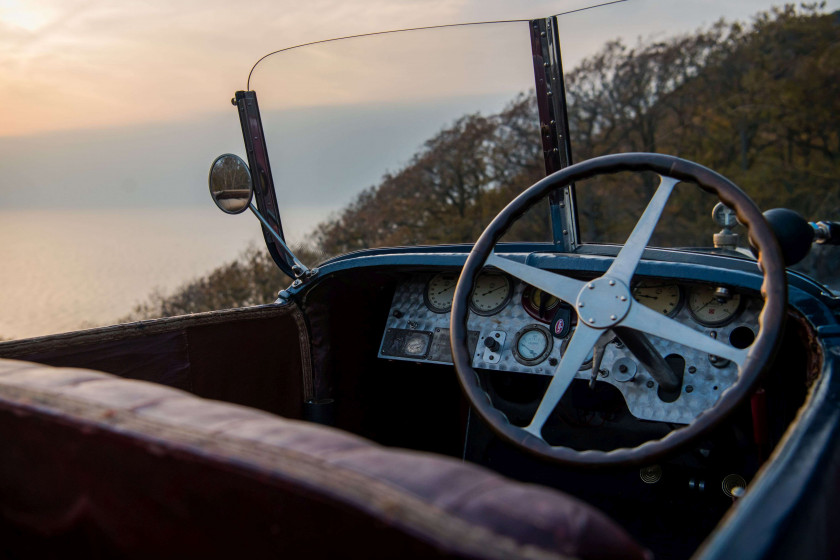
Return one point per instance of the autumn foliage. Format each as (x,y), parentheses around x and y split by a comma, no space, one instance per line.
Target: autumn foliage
(759,103)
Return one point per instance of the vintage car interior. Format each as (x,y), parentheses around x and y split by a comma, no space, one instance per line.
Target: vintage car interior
(502,399)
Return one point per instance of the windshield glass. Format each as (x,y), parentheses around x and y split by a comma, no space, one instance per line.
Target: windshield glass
(423,136)
(401,138)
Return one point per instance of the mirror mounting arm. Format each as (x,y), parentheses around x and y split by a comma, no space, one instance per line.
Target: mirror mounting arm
(264,193)
(299,271)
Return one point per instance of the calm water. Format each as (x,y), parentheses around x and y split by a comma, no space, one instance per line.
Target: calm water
(62,270)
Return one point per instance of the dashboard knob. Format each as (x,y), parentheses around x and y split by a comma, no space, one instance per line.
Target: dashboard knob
(492,344)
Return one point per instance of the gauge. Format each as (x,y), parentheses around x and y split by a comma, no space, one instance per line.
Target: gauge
(439,291)
(492,292)
(416,344)
(532,345)
(539,304)
(713,306)
(587,362)
(665,297)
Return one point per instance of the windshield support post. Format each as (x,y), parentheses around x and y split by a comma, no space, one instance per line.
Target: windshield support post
(264,194)
(554,127)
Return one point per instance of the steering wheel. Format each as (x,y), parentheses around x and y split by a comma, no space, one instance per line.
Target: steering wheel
(607,303)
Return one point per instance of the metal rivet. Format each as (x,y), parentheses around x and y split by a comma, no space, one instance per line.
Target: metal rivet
(613,317)
(623,298)
(591,286)
(688,388)
(542,34)
(650,384)
(580,304)
(612,282)
(692,369)
(592,320)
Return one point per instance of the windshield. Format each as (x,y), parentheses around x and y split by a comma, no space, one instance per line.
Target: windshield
(422,136)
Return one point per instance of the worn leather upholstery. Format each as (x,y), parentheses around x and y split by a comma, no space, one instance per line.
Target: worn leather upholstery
(111,467)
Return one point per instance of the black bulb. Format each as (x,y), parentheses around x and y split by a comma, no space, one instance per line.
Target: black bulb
(793,233)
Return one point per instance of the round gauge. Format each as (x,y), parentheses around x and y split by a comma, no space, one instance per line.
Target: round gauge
(665,297)
(416,344)
(492,292)
(713,306)
(587,362)
(539,304)
(439,291)
(532,345)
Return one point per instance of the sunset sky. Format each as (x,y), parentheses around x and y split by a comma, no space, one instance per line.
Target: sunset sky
(114,106)
(74,64)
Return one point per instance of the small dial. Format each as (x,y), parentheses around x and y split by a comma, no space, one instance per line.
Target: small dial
(416,344)
(532,345)
(539,304)
(439,291)
(713,306)
(665,297)
(492,292)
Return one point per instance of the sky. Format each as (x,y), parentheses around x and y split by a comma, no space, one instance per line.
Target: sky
(115,105)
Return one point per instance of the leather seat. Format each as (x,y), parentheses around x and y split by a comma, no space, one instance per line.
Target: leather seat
(111,466)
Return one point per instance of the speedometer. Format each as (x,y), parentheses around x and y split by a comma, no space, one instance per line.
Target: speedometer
(665,297)
(492,292)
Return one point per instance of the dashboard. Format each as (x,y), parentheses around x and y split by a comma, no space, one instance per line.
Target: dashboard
(515,327)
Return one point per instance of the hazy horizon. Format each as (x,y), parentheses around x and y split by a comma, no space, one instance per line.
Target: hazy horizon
(113,114)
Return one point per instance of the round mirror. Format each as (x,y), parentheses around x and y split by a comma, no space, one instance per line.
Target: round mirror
(230,184)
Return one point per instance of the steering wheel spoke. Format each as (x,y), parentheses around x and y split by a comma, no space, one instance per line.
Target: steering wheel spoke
(582,342)
(561,287)
(625,263)
(652,322)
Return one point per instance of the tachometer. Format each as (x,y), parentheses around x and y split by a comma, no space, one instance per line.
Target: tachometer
(492,292)
(713,306)
(439,291)
(665,297)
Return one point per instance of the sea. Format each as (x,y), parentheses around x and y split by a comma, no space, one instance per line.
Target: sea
(63,270)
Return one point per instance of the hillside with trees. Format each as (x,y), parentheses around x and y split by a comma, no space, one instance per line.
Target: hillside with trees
(759,103)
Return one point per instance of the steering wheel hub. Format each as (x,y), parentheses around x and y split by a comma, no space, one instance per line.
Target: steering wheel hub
(603,303)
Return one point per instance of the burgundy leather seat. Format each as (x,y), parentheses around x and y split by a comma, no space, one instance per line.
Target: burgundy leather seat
(110,466)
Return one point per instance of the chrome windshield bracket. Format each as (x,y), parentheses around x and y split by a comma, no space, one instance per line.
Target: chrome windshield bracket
(554,127)
(299,271)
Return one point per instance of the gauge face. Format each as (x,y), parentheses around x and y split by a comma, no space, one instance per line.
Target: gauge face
(539,304)
(712,306)
(532,345)
(416,344)
(664,297)
(439,291)
(492,292)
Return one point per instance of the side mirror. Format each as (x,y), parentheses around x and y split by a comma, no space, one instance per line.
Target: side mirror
(230,184)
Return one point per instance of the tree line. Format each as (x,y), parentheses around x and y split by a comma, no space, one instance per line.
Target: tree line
(758,103)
